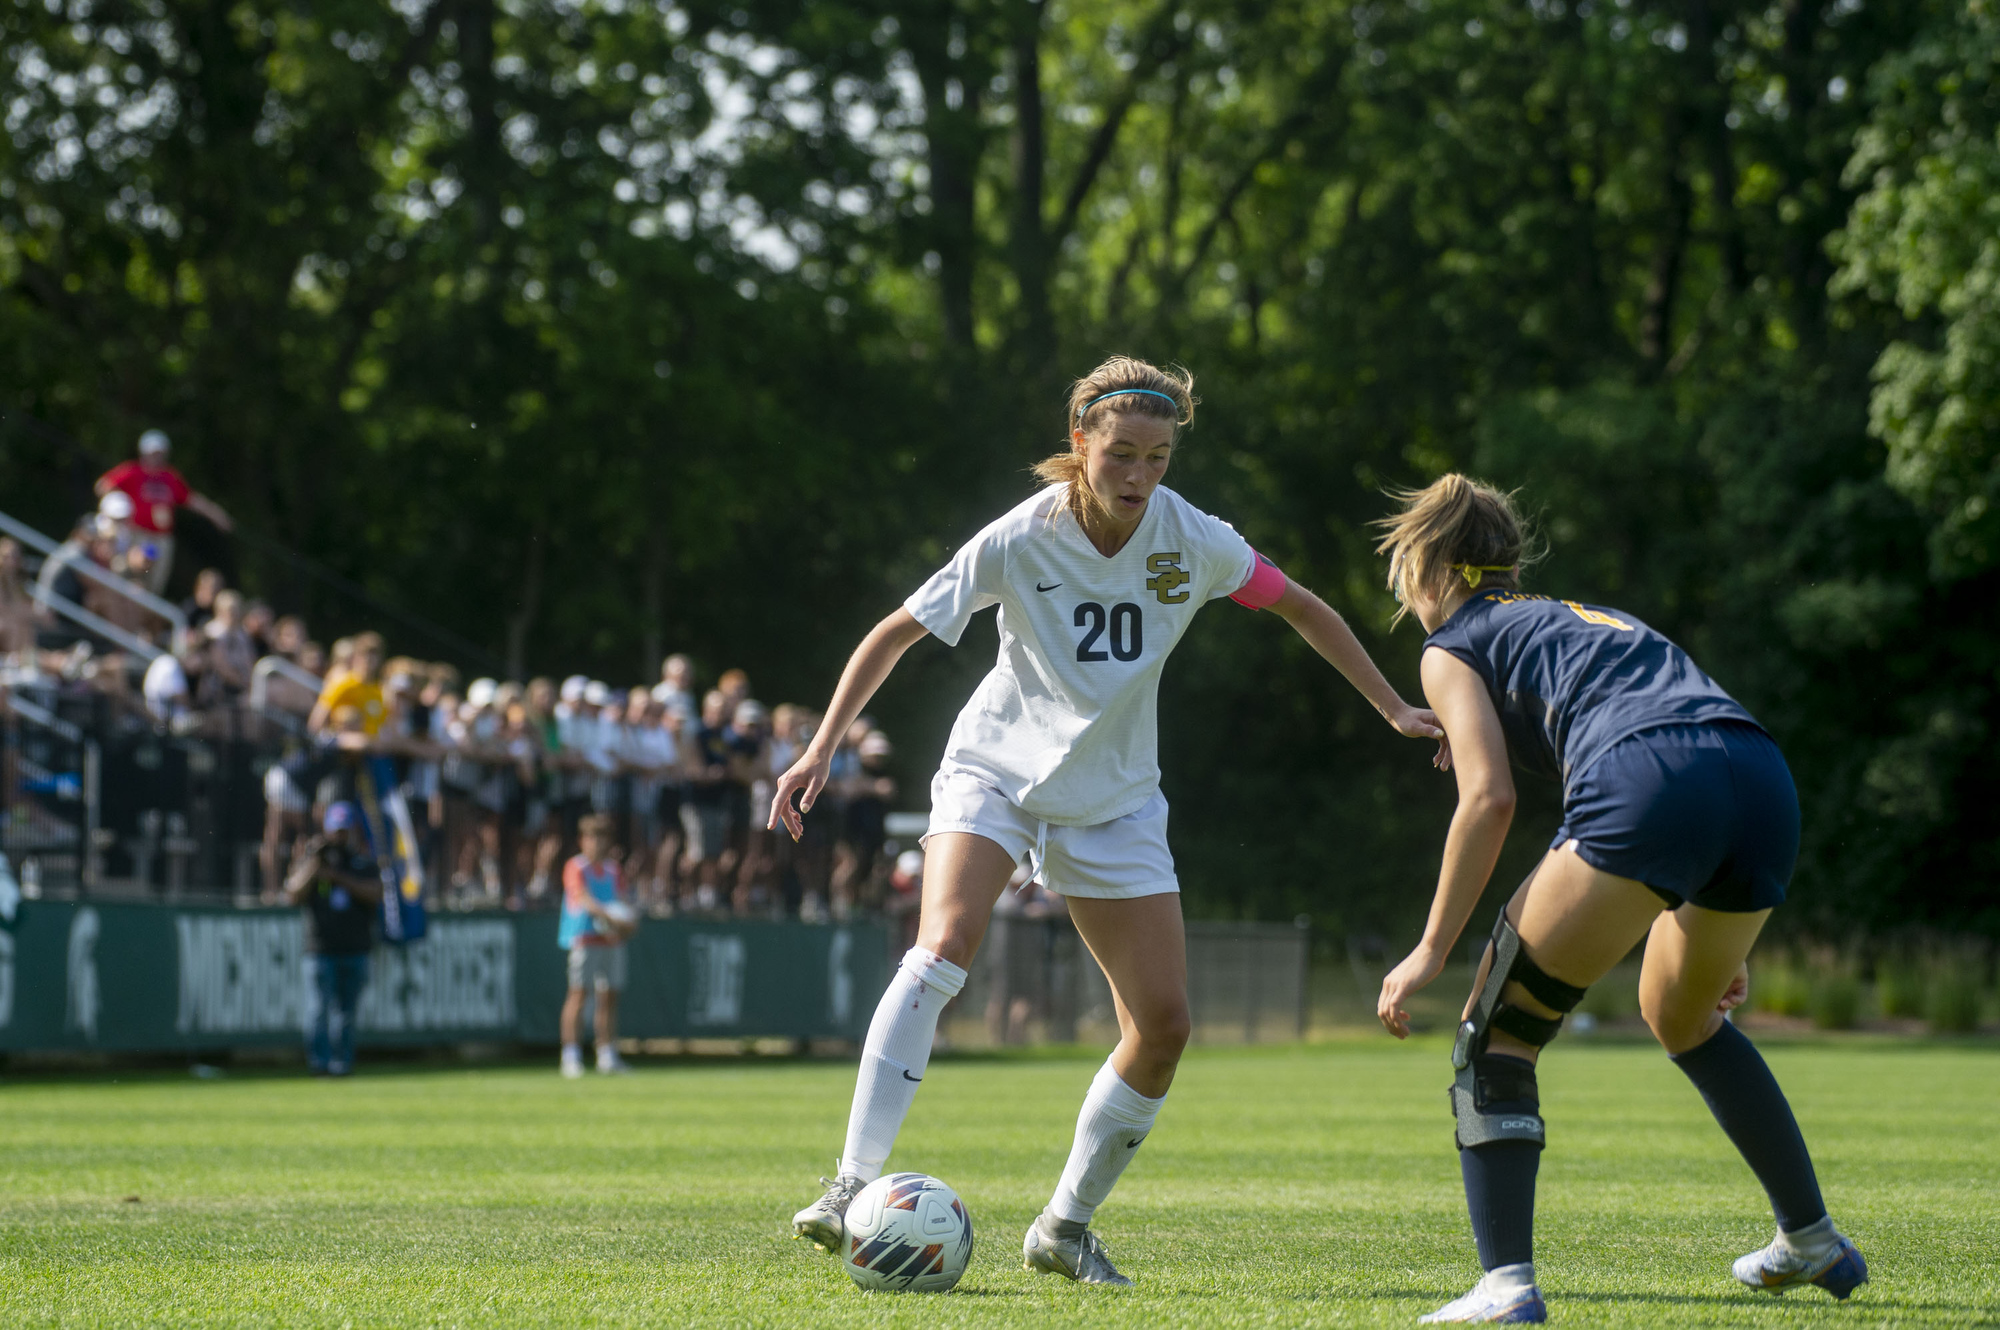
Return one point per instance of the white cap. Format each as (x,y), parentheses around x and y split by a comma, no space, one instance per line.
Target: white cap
(597,693)
(479,692)
(876,745)
(750,712)
(117,505)
(573,688)
(910,863)
(153,441)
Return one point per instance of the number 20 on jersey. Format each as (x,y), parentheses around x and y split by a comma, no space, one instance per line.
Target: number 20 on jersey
(1123,630)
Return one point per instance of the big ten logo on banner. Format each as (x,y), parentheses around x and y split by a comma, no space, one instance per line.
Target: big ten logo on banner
(240,973)
(715,979)
(460,977)
(839,982)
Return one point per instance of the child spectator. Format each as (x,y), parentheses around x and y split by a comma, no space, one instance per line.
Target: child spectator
(594,934)
(337,882)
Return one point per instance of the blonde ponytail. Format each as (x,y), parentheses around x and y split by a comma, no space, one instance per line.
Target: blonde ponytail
(1454,527)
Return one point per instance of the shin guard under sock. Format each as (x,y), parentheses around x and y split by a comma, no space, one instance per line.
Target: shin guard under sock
(1752,1110)
(894,1058)
(1114,1119)
(1500,1189)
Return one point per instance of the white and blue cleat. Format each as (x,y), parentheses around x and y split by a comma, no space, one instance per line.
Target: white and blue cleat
(1775,1268)
(1505,1296)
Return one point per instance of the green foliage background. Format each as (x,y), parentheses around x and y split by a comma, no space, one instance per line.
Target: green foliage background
(593,327)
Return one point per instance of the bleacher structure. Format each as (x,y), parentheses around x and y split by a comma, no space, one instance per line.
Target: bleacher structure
(95,799)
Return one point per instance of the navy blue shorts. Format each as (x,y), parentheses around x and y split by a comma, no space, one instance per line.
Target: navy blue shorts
(1703,813)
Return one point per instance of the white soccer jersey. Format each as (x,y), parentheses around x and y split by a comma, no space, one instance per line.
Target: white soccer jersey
(1065,725)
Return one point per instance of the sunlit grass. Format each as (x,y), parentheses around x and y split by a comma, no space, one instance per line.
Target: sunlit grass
(1284,1186)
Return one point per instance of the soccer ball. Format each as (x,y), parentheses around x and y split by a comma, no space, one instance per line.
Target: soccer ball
(907,1233)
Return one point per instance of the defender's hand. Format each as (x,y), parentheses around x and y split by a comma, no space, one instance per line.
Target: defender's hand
(1417,970)
(1738,991)
(806,778)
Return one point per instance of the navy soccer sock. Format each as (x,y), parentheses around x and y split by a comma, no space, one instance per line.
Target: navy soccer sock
(1500,1189)
(1746,1101)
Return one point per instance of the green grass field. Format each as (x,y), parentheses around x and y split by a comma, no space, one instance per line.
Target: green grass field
(1284,1186)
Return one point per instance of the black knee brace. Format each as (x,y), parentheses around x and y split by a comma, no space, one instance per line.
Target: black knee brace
(1483,1079)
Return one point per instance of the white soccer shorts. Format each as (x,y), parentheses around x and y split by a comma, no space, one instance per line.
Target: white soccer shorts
(1116,860)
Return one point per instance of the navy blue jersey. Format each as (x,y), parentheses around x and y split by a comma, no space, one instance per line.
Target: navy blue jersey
(1571,680)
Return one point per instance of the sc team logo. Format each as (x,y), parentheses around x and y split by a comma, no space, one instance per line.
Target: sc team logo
(1168,577)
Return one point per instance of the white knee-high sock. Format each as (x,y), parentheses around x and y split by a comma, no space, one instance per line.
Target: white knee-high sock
(1115,1118)
(894,1058)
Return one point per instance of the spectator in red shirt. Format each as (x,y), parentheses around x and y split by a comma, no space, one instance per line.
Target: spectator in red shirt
(157,490)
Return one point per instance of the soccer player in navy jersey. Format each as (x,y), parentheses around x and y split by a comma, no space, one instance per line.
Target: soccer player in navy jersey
(1680,827)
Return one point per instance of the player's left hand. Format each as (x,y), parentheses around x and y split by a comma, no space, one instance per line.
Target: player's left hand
(1738,991)
(1416,970)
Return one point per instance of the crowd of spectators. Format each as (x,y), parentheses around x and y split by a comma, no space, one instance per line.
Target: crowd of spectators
(498,775)
(495,774)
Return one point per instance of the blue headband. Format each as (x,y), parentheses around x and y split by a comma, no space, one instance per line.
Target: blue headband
(1116,392)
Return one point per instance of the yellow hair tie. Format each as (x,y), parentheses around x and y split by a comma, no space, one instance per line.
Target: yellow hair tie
(1472,572)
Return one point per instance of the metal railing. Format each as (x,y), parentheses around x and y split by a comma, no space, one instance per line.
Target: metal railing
(98,624)
(260,689)
(107,579)
(42,837)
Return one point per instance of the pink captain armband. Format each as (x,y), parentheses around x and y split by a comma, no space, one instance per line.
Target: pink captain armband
(1267,583)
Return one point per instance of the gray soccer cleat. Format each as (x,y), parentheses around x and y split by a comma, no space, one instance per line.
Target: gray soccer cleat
(825,1220)
(1081,1258)
(1775,1268)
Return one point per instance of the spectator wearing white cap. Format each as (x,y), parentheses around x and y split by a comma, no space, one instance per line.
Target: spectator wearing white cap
(156,491)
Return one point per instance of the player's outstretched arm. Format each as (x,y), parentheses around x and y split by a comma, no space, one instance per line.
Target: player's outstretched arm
(1478,827)
(1321,625)
(866,669)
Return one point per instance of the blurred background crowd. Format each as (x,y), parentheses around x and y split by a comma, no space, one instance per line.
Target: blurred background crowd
(496,772)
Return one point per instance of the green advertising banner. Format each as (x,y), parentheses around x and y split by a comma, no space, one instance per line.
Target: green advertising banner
(130,977)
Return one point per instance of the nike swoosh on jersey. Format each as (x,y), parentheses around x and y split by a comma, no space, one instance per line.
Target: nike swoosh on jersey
(906,1076)
(1133,1145)
(1050,587)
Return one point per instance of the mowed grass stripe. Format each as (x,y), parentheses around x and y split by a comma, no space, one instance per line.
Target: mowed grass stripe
(1284,1186)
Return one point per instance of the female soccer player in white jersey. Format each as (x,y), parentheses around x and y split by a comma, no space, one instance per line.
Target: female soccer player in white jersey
(1680,827)
(1054,758)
